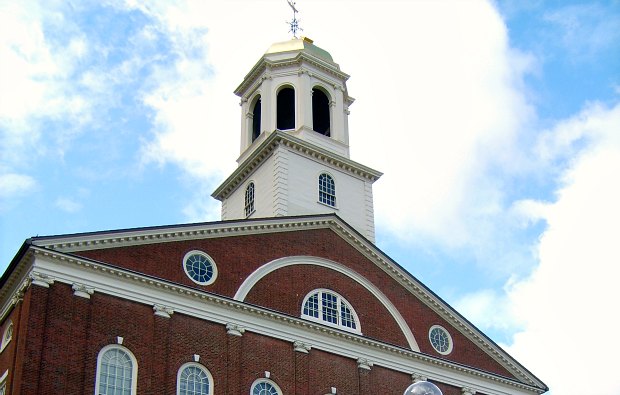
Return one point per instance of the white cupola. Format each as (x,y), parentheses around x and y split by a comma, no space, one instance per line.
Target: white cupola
(298,88)
(294,157)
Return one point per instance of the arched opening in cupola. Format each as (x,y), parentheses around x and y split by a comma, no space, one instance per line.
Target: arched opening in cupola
(320,112)
(256,109)
(286,109)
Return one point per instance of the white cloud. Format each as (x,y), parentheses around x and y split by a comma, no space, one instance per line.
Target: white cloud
(68,205)
(561,314)
(567,305)
(452,104)
(457,114)
(37,90)
(12,184)
(196,121)
(487,309)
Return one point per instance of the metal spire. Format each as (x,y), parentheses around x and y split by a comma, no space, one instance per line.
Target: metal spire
(295,22)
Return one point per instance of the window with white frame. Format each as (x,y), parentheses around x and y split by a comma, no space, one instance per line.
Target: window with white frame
(200,267)
(194,379)
(440,339)
(3,378)
(330,308)
(327,190)
(117,371)
(249,199)
(7,336)
(265,387)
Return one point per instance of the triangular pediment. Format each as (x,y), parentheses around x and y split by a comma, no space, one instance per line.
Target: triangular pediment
(68,247)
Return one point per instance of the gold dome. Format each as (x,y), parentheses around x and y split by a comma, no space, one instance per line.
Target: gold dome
(300,44)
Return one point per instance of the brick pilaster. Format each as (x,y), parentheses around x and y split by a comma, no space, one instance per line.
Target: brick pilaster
(234,346)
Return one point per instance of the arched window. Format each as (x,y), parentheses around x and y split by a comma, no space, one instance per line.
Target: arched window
(7,336)
(194,379)
(285,118)
(249,199)
(330,308)
(265,387)
(320,112)
(327,190)
(256,118)
(117,371)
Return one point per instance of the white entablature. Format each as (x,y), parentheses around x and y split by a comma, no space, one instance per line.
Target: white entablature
(294,156)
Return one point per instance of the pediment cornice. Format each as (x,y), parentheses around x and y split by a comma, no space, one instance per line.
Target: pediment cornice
(59,245)
(265,64)
(307,149)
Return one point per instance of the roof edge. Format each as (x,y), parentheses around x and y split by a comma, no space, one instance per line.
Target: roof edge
(279,137)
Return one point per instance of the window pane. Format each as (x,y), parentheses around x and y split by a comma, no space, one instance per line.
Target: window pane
(311,307)
(264,388)
(327,190)
(346,317)
(249,199)
(330,307)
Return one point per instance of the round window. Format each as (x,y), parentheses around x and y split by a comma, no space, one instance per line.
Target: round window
(200,267)
(440,339)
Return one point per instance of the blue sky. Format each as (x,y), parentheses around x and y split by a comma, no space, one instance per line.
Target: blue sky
(497,125)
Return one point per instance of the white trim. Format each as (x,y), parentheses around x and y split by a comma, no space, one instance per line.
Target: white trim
(255,157)
(208,258)
(199,366)
(279,263)
(265,380)
(134,370)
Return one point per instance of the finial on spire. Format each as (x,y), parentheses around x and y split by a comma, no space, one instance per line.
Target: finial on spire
(295,22)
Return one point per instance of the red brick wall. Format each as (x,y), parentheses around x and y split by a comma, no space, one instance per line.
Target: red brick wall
(62,335)
(260,354)
(238,256)
(7,356)
(333,371)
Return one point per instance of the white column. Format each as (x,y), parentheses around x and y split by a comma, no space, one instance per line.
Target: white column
(303,98)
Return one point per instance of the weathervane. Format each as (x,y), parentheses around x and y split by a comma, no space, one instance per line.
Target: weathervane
(295,22)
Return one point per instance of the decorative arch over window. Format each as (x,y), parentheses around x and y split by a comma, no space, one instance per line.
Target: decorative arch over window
(329,308)
(7,336)
(117,371)
(285,118)
(194,379)
(280,263)
(327,190)
(320,112)
(265,387)
(256,118)
(249,199)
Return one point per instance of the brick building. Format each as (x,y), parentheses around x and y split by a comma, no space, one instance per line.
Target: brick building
(286,295)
